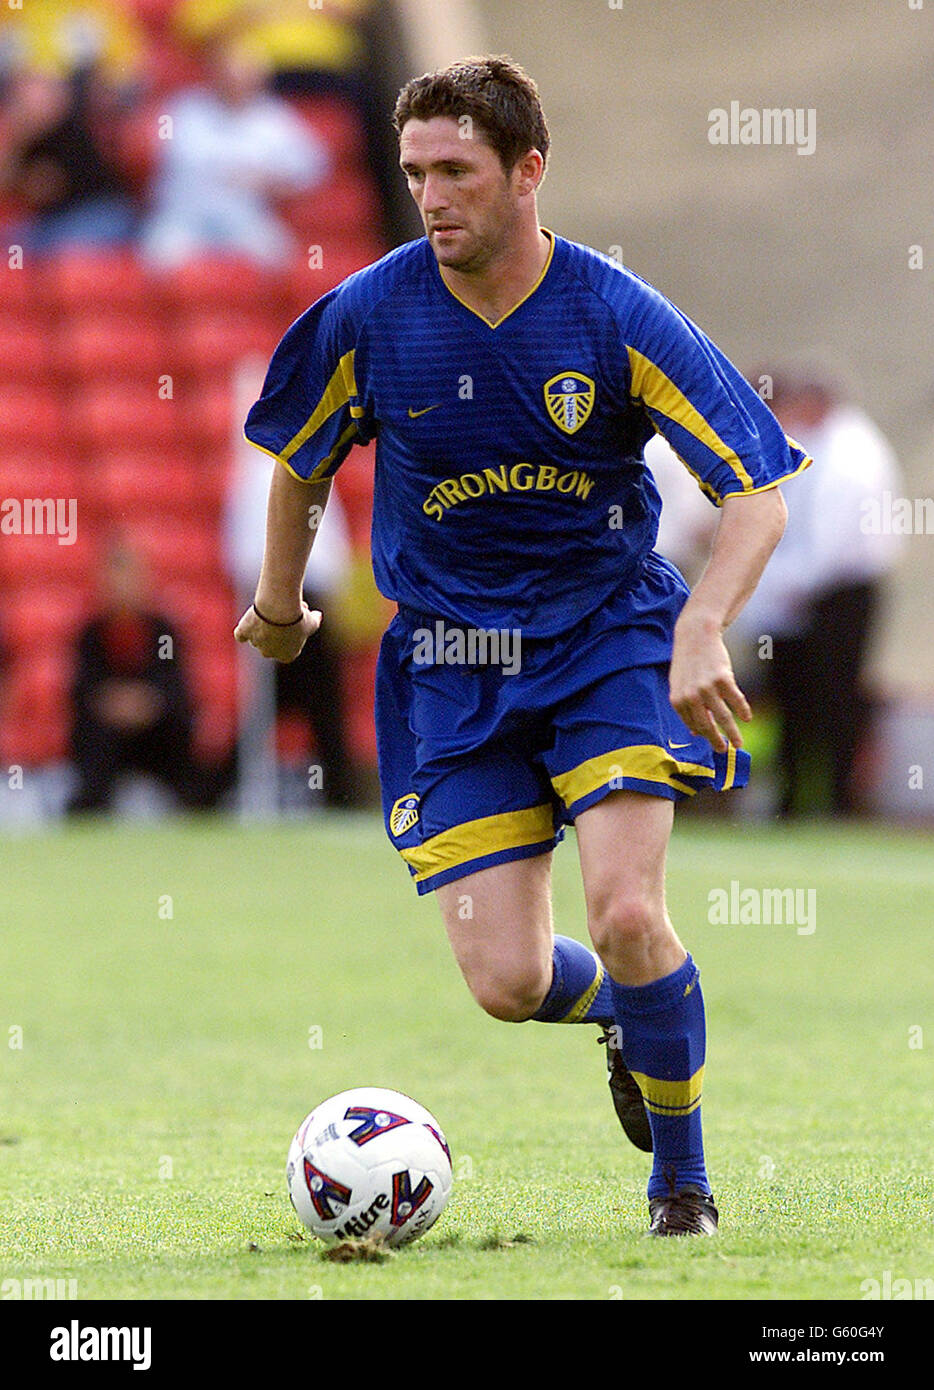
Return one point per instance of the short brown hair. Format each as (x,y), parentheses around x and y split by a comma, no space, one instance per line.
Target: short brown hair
(496,93)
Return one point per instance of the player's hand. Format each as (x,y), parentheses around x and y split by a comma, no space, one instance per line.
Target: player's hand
(277,643)
(703,688)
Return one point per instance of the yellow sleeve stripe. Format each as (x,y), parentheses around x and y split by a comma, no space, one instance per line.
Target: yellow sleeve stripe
(776,482)
(658,392)
(670,1097)
(337,393)
(321,469)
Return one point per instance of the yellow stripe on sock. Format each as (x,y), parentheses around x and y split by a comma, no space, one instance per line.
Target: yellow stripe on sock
(670,1097)
(578,1009)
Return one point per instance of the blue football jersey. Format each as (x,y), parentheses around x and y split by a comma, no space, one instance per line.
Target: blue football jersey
(510,488)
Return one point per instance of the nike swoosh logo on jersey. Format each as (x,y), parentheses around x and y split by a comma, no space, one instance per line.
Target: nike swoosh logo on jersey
(678,745)
(414,414)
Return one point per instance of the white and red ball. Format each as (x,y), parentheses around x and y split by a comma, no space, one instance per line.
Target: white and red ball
(369,1163)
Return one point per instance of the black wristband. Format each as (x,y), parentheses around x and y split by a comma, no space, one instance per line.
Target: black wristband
(262,617)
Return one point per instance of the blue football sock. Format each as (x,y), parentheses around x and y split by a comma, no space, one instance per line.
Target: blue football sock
(580,987)
(663,1041)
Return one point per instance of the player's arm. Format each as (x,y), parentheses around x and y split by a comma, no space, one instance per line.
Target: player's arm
(732,443)
(270,623)
(703,688)
(307,418)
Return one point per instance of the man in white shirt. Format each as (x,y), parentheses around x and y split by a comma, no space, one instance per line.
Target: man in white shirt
(821,589)
(232,148)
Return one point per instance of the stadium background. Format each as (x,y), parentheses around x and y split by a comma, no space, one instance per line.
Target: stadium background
(765,249)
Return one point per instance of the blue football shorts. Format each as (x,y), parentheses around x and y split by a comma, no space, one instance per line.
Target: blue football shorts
(479,766)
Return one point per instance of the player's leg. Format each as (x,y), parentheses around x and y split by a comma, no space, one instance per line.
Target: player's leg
(655,987)
(473,816)
(499,924)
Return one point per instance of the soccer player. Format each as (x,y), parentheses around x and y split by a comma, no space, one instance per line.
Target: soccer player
(545,666)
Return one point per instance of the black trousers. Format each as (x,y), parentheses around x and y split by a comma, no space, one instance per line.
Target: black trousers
(311,686)
(101,753)
(824,714)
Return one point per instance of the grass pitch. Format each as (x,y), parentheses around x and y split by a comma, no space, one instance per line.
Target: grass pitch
(175,997)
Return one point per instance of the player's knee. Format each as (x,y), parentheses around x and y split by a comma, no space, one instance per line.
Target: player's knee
(625,922)
(510,998)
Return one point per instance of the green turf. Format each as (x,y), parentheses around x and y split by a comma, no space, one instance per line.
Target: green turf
(165,1063)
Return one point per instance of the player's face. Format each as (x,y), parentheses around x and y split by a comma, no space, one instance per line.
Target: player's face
(468,203)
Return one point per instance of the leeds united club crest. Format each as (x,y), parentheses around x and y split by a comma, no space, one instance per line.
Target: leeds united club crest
(569,398)
(404,814)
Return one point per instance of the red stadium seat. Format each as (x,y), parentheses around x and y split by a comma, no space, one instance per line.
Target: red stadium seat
(170,66)
(359,676)
(111,414)
(355,487)
(36,706)
(25,348)
(214,683)
(214,480)
(336,124)
(144,482)
(100,344)
(210,342)
(154,14)
(175,549)
(27,472)
(79,280)
(46,616)
(30,417)
(223,283)
(136,145)
(345,204)
(212,424)
(204,610)
(337,260)
(38,559)
(21,288)
(29,740)
(294,740)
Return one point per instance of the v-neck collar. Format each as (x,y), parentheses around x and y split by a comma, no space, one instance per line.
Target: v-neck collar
(528,295)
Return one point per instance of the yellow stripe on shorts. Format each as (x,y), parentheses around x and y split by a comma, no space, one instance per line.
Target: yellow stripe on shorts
(476,839)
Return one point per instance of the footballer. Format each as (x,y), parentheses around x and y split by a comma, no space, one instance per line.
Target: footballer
(511,379)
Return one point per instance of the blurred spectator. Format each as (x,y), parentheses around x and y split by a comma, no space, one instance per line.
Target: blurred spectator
(311,685)
(330,48)
(233,148)
(53,165)
(130,699)
(821,589)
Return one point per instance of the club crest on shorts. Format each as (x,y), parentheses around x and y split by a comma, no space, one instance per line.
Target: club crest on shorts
(404,814)
(569,397)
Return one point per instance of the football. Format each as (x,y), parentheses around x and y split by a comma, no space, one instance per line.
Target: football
(369,1162)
